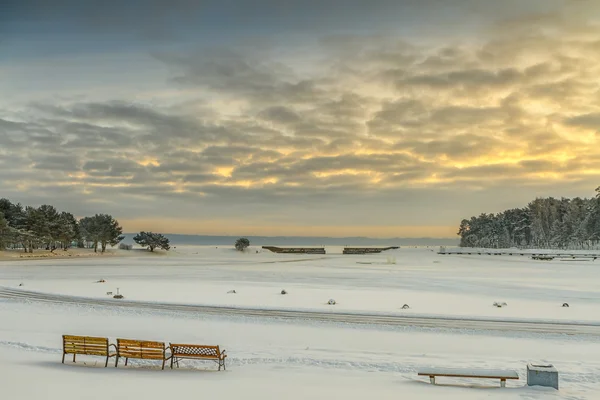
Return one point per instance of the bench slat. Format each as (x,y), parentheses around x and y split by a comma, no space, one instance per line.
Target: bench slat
(83,350)
(87,339)
(193,345)
(140,343)
(142,356)
(189,355)
(90,353)
(140,351)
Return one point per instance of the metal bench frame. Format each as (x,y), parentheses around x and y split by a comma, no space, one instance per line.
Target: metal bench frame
(197,352)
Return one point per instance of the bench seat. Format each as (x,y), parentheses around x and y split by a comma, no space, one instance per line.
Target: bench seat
(501,374)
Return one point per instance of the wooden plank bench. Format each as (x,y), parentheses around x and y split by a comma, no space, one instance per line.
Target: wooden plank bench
(503,375)
(87,345)
(196,352)
(542,257)
(142,349)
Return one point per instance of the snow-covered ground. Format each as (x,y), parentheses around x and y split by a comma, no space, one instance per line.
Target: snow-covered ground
(302,359)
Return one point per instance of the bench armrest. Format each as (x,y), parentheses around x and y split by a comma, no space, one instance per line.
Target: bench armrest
(223,353)
(113,345)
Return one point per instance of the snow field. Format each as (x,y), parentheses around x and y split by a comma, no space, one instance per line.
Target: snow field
(301,359)
(431,284)
(383,361)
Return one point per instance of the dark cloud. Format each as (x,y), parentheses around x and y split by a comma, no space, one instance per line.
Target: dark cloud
(590,121)
(100,166)
(364,122)
(279,114)
(467,78)
(57,163)
(242,74)
(159,20)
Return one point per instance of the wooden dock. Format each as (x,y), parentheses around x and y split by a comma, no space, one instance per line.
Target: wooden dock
(367,250)
(295,250)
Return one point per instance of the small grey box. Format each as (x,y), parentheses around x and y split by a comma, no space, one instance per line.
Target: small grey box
(542,375)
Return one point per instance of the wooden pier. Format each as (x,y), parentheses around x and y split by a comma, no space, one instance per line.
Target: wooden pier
(295,250)
(367,250)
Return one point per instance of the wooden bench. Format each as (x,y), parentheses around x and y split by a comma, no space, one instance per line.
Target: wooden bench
(142,349)
(87,345)
(197,352)
(503,375)
(542,257)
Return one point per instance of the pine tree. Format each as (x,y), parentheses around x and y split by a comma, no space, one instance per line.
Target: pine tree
(152,240)
(545,222)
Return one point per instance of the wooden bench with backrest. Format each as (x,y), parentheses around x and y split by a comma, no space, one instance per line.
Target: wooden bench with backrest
(87,345)
(197,352)
(141,349)
(503,375)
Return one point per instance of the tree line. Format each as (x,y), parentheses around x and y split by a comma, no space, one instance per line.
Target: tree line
(45,227)
(543,223)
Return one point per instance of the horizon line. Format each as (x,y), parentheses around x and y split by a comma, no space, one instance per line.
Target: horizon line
(304,236)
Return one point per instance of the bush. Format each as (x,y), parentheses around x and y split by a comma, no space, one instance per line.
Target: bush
(242,244)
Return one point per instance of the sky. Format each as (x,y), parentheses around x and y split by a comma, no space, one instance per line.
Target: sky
(371,118)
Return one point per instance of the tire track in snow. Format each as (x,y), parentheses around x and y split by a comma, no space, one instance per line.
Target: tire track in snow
(435,322)
(30,347)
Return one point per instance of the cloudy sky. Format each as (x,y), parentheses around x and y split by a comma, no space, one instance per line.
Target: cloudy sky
(377,118)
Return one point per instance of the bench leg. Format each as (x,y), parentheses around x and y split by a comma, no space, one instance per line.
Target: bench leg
(64,354)
(502,382)
(117,362)
(74,357)
(163,366)
(106,363)
(432,380)
(126,359)
(172,362)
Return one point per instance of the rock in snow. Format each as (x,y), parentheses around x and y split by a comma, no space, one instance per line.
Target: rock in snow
(331,302)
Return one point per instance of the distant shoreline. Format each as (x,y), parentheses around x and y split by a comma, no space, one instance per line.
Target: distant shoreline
(20,255)
(319,241)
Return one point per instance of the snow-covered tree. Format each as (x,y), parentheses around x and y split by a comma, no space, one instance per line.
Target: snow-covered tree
(545,222)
